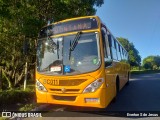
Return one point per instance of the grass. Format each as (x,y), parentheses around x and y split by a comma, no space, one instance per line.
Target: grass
(137,72)
(28,107)
(30,87)
(1,118)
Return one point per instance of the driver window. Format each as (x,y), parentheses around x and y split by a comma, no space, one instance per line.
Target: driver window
(106,44)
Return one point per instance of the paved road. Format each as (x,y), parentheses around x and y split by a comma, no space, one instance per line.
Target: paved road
(142,94)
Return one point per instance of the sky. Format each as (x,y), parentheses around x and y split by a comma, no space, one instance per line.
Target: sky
(136,20)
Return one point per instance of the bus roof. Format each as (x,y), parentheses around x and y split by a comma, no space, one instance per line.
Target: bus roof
(83,17)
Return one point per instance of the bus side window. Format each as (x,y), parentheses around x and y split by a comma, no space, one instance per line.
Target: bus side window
(107,46)
(120,48)
(114,52)
(125,56)
(104,43)
(110,45)
(118,51)
(122,53)
(109,40)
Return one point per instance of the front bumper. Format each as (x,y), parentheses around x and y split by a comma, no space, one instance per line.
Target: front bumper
(96,99)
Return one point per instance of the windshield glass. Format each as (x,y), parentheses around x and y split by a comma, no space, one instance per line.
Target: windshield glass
(54,56)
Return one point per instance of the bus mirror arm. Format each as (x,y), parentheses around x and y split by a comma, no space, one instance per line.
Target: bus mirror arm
(107,61)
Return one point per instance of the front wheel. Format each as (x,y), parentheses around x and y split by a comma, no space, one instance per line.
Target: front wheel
(117,90)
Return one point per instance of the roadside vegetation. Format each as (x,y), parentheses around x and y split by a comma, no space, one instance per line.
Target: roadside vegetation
(20,23)
(150,64)
(16,98)
(137,72)
(134,58)
(11,97)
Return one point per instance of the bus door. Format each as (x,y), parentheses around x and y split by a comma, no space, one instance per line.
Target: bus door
(109,70)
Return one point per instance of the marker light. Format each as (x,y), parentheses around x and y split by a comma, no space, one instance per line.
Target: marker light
(93,86)
(40,87)
(91,100)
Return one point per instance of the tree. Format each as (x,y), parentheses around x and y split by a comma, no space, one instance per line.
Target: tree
(134,57)
(151,62)
(21,20)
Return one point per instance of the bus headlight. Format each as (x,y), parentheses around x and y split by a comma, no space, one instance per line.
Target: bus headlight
(93,86)
(40,87)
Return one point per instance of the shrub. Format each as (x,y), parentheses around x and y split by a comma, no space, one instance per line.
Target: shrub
(16,96)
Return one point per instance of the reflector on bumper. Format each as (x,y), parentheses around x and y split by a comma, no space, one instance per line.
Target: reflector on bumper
(91,100)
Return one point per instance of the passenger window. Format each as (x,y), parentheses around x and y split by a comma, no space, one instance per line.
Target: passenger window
(120,48)
(118,51)
(112,42)
(115,44)
(113,48)
(122,54)
(107,46)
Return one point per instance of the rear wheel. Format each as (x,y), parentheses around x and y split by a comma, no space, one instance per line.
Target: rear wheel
(117,86)
(128,79)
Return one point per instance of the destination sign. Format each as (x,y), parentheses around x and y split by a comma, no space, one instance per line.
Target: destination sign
(70,26)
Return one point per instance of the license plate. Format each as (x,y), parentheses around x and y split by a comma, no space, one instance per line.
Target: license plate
(55,69)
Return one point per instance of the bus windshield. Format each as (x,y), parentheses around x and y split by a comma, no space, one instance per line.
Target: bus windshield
(54,56)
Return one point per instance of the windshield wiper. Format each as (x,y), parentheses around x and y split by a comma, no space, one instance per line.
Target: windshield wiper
(57,49)
(74,43)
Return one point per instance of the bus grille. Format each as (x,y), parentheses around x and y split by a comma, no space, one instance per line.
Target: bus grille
(66,90)
(64,98)
(71,82)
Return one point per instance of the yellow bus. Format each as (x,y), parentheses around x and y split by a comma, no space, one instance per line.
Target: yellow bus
(79,63)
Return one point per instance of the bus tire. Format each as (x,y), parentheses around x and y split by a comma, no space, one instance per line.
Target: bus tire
(117,86)
(117,89)
(127,79)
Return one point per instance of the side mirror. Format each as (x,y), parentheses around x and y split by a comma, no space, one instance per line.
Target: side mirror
(107,61)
